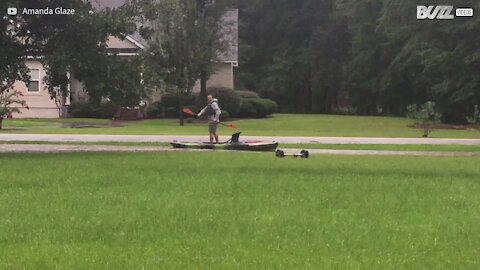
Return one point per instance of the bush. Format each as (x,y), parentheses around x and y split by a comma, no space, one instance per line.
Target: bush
(346,110)
(170,103)
(228,99)
(247,94)
(475,119)
(247,109)
(265,107)
(224,116)
(154,110)
(426,115)
(257,107)
(104,110)
(171,112)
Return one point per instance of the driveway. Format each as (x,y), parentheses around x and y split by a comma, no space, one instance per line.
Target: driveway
(169,138)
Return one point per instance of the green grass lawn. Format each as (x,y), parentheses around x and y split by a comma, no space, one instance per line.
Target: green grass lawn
(207,210)
(277,125)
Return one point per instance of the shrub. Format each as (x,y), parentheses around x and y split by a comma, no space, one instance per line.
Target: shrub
(171,112)
(475,119)
(265,107)
(247,109)
(9,102)
(104,110)
(426,115)
(170,103)
(247,94)
(228,99)
(224,116)
(257,107)
(346,110)
(154,110)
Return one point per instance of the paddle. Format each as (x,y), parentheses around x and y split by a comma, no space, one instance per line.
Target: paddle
(189,112)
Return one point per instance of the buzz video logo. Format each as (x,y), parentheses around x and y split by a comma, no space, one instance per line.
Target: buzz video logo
(442,12)
(435,12)
(12,11)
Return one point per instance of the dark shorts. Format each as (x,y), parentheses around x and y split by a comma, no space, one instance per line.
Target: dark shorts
(212,126)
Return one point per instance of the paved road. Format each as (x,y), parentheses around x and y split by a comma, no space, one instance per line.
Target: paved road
(56,148)
(164,138)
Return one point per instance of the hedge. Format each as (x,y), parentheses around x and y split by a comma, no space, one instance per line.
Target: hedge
(257,107)
(92,110)
(247,94)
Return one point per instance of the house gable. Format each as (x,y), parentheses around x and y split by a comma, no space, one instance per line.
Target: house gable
(124,47)
(117,43)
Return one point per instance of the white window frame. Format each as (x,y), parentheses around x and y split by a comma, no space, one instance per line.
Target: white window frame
(35,80)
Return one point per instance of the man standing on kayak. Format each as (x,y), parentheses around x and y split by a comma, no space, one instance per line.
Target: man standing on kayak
(212,111)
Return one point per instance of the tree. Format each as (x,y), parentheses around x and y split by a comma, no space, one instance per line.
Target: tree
(183,41)
(366,60)
(293,52)
(426,116)
(69,45)
(172,48)
(212,32)
(329,49)
(13,51)
(9,103)
(374,55)
(80,49)
(431,60)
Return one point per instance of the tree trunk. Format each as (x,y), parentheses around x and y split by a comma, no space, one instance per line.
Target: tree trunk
(180,113)
(1,120)
(203,86)
(181,118)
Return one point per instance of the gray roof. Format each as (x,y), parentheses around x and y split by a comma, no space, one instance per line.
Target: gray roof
(101,4)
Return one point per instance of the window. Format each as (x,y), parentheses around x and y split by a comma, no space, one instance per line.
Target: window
(34,84)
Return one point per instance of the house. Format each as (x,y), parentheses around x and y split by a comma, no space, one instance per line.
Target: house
(42,106)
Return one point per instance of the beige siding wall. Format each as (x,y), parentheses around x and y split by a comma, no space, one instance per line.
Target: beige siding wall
(40,103)
(77,92)
(223,77)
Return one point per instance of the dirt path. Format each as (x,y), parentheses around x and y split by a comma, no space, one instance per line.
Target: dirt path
(56,148)
(53,148)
